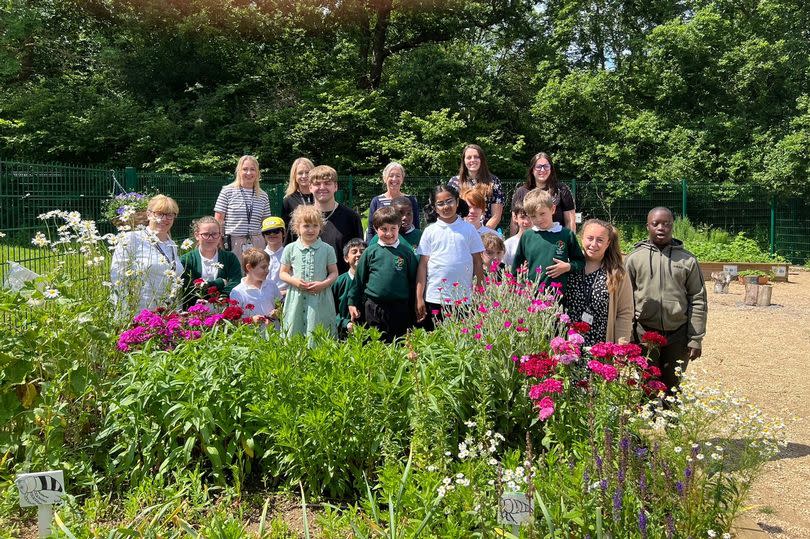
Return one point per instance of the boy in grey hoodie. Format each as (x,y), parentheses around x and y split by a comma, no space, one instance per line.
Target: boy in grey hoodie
(669,295)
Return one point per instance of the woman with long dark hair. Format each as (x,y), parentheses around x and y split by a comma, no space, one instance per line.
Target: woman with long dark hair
(473,171)
(543,174)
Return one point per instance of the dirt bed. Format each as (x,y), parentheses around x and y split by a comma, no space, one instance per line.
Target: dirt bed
(763,354)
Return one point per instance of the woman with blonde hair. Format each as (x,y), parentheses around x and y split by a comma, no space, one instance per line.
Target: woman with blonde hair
(298,192)
(145,271)
(473,171)
(601,295)
(393,177)
(242,206)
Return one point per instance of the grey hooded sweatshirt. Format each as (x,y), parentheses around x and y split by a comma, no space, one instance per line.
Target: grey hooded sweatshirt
(668,289)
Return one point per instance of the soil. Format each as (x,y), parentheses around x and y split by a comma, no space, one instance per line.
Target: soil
(762,353)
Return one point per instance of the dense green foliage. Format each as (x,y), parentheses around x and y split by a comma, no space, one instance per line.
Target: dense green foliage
(620,92)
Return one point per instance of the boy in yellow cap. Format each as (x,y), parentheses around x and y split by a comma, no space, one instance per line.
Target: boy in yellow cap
(273,232)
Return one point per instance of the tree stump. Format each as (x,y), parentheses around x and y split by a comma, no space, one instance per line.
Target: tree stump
(758,294)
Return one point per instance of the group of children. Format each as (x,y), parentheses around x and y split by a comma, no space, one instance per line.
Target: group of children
(405,275)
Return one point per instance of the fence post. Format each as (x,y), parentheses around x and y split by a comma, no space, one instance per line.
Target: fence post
(773,225)
(574,189)
(130,179)
(683,198)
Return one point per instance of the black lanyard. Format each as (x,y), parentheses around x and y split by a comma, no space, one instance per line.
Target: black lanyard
(248,211)
(173,260)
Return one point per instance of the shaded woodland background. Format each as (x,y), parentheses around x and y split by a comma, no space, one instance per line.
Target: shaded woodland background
(631,93)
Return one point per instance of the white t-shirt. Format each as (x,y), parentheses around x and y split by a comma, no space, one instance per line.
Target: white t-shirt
(450,248)
(511,248)
(210,267)
(275,267)
(263,299)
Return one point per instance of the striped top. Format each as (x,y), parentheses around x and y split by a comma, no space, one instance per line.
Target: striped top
(237,204)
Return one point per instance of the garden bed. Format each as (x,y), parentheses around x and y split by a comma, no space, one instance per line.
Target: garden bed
(779,270)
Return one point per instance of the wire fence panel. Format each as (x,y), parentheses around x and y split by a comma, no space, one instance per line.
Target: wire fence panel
(30,189)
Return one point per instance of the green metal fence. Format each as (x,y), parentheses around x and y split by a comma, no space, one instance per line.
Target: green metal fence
(29,189)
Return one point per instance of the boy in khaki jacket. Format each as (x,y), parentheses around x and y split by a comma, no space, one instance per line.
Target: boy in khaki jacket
(669,295)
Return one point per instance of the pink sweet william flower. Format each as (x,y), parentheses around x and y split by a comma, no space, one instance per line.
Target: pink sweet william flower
(194,322)
(564,318)
(575,338)
(602,350)
(627,350)
(608,372)
(641,361)
(547,386)
(546,406)
(213,319)
(199,308)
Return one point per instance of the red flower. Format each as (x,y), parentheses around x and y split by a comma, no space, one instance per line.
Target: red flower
(651,338)
(232,313)
(581,327)
(537,365)
(654,387)
(199,282)
(213,291)
(250,306)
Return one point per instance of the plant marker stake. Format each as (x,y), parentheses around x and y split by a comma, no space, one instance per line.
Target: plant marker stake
(41,490)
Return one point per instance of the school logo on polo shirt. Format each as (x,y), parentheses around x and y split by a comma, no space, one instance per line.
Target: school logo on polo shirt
(399,263)
(560,248)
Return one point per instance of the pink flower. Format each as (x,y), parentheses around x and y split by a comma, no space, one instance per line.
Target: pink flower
(547,386)
(465,330)
(213,319)
(496,304)
(488,347)
(477,336)
(434,312)
(199,308)
(482,309)
(546,406)
(564,318)
(507,324)
(602,350)
(194,322)
(608,372)
(575,338)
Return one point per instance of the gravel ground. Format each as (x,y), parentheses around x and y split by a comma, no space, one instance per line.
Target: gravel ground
(762,354)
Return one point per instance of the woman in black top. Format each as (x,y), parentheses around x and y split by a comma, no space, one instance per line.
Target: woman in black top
(543,174)
(297,192)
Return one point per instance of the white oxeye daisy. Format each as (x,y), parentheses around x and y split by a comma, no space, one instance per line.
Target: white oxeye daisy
(51,293)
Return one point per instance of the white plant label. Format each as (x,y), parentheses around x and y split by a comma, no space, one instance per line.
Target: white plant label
(515,508)
(779,271)
(730,269)
(41,488)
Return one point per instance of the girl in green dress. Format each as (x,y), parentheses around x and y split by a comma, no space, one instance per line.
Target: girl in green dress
(309,267)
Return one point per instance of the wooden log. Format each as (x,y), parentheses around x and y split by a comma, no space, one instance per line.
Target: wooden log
(751,292)
(764,295)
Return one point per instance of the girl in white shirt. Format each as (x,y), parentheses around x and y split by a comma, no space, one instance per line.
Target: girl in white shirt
(450,250)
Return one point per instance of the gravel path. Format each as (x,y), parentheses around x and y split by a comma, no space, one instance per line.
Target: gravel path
(763,354)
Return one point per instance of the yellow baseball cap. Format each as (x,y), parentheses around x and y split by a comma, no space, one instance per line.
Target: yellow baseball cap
(272,223)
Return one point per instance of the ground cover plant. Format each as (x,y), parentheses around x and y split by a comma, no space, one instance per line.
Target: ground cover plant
(186,434)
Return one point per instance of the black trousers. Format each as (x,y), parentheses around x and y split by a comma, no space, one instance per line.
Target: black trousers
(392,318)
(667,358)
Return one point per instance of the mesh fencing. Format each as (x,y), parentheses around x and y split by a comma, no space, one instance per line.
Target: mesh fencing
(30,189)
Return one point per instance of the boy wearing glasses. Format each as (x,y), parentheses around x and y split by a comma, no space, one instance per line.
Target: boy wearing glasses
(273,232)
(669,296)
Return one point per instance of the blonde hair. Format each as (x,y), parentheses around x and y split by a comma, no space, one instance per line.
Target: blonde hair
(323,172)
(306,214)
(493,242)
(535,199)
(237,182)
(612,261)
(163,204)
(391,166)
(293,186)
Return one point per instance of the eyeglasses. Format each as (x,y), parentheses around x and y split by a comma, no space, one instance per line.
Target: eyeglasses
(446,203)
(545,167)
(161,215)
(209,235)
(274,231)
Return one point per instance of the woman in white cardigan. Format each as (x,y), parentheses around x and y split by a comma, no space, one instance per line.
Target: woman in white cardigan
(145,270)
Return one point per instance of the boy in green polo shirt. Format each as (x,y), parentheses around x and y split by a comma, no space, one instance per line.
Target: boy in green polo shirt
(549,250)
(342,286)
(385,282)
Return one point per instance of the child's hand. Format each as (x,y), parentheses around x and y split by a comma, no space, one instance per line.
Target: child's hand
(354,312)
(259,319)
(316,287)
(273,315)
(421,310)
(303,285)
(350,326)
(557,268)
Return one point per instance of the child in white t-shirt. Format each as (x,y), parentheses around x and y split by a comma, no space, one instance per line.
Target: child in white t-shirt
(256,293)
(451,255)
(524,223)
